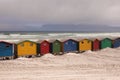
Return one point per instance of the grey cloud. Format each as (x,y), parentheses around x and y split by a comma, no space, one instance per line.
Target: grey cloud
(106,12)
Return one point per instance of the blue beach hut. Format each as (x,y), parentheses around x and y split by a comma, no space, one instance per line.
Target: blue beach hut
(6,49)
(70,45)
(116,43)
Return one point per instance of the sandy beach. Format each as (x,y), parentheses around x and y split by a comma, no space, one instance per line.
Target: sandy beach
(99,65)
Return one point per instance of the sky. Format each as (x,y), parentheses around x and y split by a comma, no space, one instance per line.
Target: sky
(35,15)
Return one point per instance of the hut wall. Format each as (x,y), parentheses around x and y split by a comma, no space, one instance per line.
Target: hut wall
(56,47)
(116,43)
(27,48)
(96,45)
(6,49)
(44,47)
(106,43)
(85,45)
(70,46)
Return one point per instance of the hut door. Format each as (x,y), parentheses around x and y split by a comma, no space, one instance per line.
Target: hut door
(57,47)
(5,50)
(2,47)
(44,48)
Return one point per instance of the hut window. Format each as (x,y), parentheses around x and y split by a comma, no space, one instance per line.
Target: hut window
(73,42)
(7,45)
(44,44)
(22,45)
(56,43)
(66,43)
(82,42)
(88,41)
(31,44)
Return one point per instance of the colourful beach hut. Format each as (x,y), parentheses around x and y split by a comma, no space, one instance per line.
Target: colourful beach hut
(106,43)
(56,47)
(116,43)
(44,47)
(6,50)
(85,45)
(26,48)
(96,45)
(70,45)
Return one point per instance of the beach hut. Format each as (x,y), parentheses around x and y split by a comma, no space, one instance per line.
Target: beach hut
(56,47)
(96,45)
(116,43)
(6,50)
(26,48)
(106,43)
(70,45)
(44,47)
(85,45)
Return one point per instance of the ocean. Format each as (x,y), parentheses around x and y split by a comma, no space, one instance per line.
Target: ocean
(16,36)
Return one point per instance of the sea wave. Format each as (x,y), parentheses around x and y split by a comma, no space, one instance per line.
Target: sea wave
(42,36)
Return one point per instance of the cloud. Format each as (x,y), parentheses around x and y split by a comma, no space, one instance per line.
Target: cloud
(106,12)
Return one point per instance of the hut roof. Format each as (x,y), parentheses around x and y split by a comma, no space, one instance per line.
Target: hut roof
(45,41)
(26,41)
(117,38)
(68,40)
(93,39)
(40,41)
(106,38)
(6,42)
(86,39)
(56,40)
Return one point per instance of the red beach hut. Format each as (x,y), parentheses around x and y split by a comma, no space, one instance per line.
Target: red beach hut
(44,47)
(96,45)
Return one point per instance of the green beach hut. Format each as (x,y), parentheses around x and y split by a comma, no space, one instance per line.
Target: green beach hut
(106,43)
(56,47)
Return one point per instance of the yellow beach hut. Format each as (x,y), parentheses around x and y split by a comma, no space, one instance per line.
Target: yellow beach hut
(85,45)
(26,48)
